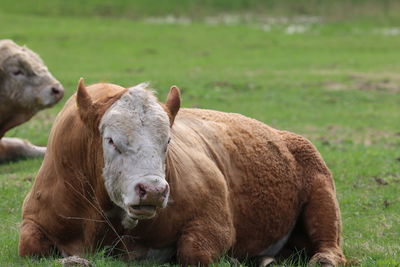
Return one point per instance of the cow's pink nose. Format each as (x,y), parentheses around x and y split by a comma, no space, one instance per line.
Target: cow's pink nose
(152,194)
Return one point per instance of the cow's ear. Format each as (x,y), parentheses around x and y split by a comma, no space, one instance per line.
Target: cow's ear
(173,102)
(84,103)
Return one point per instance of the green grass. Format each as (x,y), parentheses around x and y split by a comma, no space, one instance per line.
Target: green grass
(337,84)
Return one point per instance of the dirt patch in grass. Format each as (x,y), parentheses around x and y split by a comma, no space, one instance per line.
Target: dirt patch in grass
(336,135)
(234,86)
(367,82)
(380,181)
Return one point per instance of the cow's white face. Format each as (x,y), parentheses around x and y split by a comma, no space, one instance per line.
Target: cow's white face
(135,133)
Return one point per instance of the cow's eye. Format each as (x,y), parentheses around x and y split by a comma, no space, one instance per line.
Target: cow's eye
(17,72)
(110,141)
(166,146)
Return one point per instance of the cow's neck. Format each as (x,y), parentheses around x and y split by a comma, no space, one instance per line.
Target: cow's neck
(12,116)
(83,160)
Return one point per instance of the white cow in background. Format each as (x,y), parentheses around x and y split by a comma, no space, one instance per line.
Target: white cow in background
(26,86)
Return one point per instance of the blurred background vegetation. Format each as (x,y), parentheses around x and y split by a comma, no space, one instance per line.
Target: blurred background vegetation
(329,9)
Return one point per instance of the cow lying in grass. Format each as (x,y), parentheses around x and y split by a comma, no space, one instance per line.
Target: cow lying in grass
(26,86)
(125,171)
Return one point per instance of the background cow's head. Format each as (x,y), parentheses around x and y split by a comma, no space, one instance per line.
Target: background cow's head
(25,81)
(135,132)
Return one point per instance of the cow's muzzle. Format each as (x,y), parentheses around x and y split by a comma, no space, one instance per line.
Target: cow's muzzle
(151,195)
(57,91)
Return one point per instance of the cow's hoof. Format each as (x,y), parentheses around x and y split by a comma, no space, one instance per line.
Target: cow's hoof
(74,261)
(41,150)
(266,261)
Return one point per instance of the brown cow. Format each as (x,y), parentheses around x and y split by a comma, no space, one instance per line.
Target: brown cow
(233,184)
(26,86)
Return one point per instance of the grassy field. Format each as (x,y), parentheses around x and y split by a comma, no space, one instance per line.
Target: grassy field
(337,82)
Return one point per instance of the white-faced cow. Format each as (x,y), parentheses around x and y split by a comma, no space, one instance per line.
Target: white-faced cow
(26,86)
(125,171)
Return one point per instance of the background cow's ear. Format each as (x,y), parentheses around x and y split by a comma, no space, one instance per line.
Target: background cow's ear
(84,103)
(173,102)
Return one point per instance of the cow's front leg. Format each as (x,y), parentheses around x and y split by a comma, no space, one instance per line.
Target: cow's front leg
(33,242)
(204,241)
(15,148)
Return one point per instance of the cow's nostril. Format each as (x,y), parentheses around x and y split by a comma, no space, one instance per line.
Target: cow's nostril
(141,190)
(166,190)
(55,90)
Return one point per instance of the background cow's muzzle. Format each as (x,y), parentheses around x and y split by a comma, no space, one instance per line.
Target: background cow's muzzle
(54,93)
